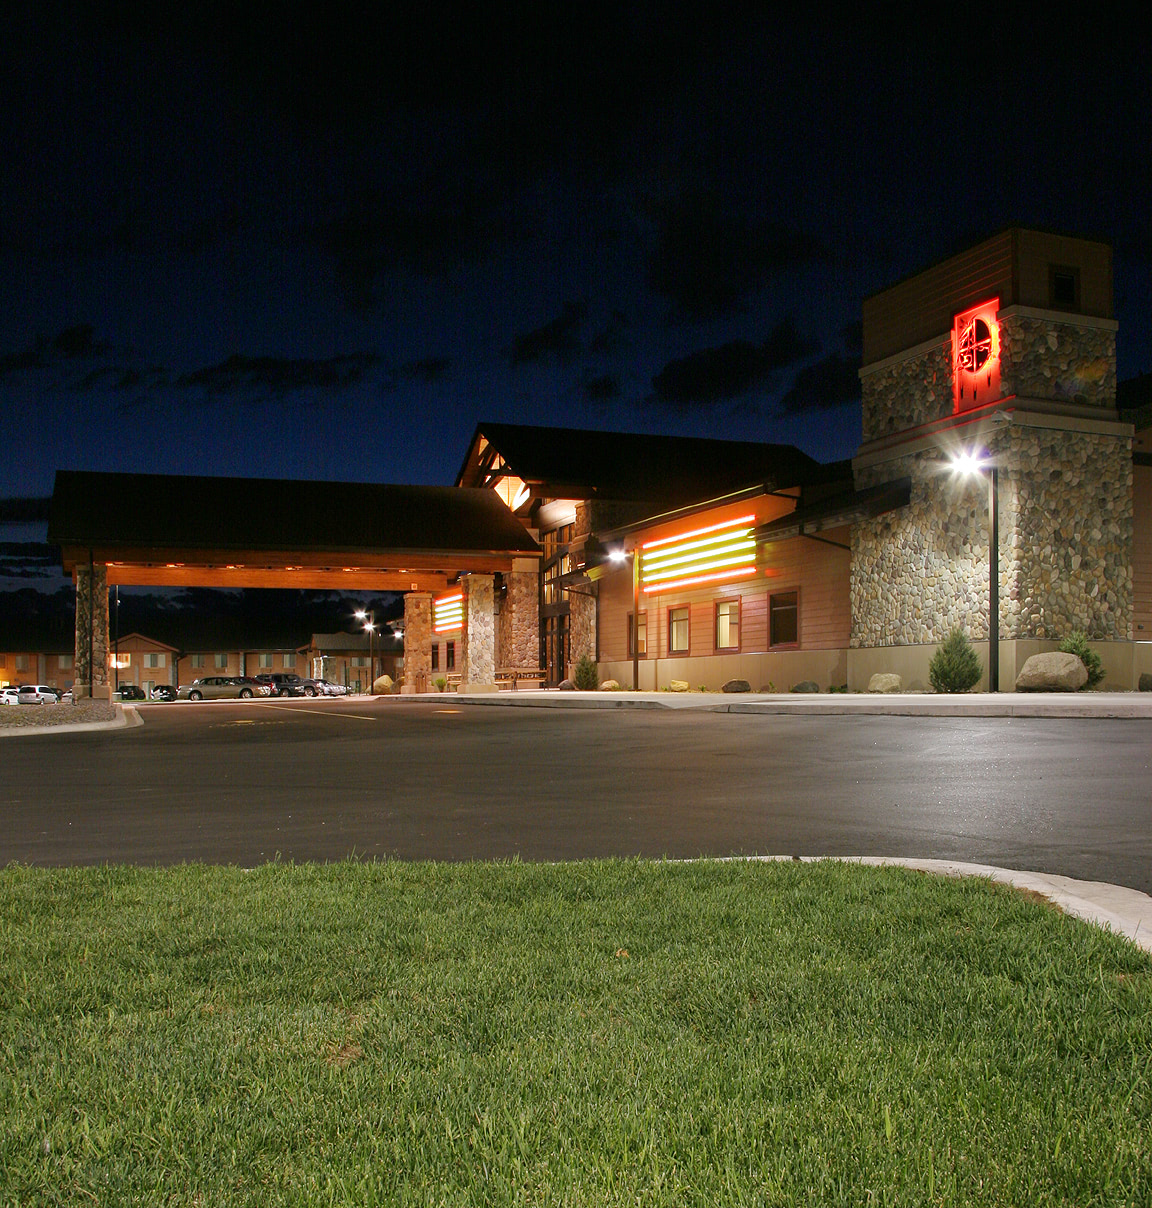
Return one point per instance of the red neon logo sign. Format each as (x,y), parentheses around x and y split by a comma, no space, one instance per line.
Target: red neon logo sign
(976,356)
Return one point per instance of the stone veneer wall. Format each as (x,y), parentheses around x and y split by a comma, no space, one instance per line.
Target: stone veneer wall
(478,638)
(1066,539)
(519,626)
(91,598)
(1041,357)
(417,641)
(581,625)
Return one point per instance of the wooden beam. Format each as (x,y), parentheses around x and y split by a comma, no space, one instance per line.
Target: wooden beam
(360,579)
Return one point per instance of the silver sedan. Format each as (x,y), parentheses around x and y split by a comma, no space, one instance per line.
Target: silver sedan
(223,687)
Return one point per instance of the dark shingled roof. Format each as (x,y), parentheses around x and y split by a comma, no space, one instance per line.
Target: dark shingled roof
(251,513)
(577,463)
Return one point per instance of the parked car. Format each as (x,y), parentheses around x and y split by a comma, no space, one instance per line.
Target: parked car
(9,696)
(223,687)
(38,694)
(163,692)
(322,687)
(282,683)
(130,692)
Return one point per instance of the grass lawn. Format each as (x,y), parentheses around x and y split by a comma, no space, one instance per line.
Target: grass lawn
(582,1034)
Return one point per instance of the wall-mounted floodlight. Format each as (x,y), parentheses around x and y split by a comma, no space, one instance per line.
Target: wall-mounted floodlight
(617,555)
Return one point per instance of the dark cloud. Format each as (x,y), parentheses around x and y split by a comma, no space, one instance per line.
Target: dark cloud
(24,511)
(279,375)
(427,369)
(28,560)
(610,337)
(732,369)
(79,341)
(113,377)
(829,383)
(601,389)
(707,261)
(557,340)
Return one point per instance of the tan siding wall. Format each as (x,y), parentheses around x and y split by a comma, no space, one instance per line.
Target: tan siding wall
(1142,553)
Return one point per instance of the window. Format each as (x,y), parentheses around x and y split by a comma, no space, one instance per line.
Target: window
(289,660)
(678,630)
(1063,287)
(435,656)
(265,661)
(221,661)
(63,661)
(153,660)
(197,660)
(360,660)
(637,635)
(783,619)
(449,656)
(21,662)
(728,625)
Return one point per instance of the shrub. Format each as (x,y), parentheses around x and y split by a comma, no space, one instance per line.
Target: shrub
(954,667)
(1077,643)
(440,683)
(585,675)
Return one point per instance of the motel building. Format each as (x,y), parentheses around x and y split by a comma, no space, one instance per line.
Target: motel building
(998,488)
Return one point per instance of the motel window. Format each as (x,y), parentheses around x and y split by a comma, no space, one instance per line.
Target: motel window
(728,625)
(361,660)
(197,660)
(678,630)
(153,660)
(265,660)
(637,635)
(449,656)
(435,656)
(21,662)
(63,661)
(289,660)
(784,619)
(222,662)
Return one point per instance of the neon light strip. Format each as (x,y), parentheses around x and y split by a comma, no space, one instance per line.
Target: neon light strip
(449,613)
(721,575)
(697,568)
(703,549)
(712,528)
(743,548)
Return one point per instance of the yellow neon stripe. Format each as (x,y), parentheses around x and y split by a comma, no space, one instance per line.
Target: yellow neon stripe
(675,557)
(712,528)
(724,575)
(703,544)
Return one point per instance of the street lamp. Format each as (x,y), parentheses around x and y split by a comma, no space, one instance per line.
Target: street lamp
(975,463)
(369,619)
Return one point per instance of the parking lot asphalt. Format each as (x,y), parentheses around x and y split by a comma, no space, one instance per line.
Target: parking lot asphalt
(1126,910)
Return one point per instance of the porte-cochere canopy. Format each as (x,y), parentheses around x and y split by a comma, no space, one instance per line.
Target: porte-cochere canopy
(166,530)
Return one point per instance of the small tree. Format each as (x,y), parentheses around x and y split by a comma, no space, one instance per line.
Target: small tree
(1077,643)
(954,667)
(585,675)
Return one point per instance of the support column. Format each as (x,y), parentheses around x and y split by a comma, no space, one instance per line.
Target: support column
(519,636)
(91,662)
(478,637)
(417,642)
(581,626)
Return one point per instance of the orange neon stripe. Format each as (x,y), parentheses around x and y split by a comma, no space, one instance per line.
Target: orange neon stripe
(699,532)
(724,574)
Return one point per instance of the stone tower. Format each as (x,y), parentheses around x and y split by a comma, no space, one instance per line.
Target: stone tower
(1007,350)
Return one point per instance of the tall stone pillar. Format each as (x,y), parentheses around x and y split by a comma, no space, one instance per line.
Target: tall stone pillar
(478,666)
(581,626)
(91,663)
(417,642)
(519,636)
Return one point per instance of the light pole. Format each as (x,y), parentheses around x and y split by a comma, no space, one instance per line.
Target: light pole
(975,463)
(369,619)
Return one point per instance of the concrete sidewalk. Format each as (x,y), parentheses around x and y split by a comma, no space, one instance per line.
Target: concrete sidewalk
(899,704)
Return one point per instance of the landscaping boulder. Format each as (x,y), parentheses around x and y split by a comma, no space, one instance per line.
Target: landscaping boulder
(885,681)
(805,686)
(736,685)
(610,686)
(1052,672)
(1145,682)
(678,686)
(382,685)
(566,685)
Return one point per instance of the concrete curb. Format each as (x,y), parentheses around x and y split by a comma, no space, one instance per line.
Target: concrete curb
(126,719)
(1105,705)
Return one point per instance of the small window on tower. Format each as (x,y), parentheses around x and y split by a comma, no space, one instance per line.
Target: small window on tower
(1064,287)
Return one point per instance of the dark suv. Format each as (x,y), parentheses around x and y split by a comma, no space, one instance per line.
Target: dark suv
(283,683)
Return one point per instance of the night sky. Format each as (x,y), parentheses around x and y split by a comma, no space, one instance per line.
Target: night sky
(325,242)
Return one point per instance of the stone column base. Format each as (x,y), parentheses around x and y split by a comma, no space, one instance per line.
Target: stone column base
(99,692)
(471,689)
